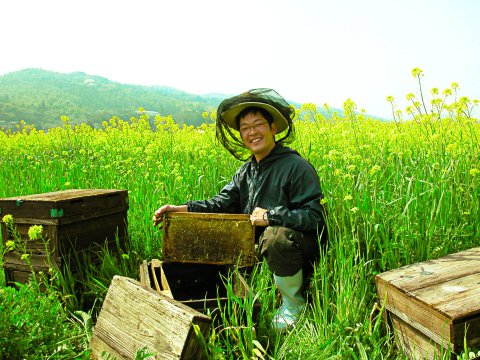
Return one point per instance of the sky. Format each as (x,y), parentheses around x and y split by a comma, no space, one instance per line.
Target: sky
(316,51)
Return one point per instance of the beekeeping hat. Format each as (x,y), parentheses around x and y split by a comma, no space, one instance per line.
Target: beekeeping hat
(267,99)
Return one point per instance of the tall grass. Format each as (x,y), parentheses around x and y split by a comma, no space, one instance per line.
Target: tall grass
(397,192)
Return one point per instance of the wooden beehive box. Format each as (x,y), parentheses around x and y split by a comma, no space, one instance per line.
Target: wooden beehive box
(199,252)
(73,221)
(199,286)
(134,317)
(434,305)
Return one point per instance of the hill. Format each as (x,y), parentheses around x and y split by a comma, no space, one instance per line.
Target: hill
(41,97)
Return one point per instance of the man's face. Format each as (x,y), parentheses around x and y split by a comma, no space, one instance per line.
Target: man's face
(257,135)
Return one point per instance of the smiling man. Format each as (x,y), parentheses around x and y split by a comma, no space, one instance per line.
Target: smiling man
(276,186)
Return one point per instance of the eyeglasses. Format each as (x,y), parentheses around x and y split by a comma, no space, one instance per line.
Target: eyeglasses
(244,129)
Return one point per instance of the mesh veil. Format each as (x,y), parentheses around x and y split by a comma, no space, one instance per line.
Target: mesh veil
(230,138)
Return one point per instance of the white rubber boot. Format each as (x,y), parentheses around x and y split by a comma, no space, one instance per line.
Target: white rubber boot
(290,288)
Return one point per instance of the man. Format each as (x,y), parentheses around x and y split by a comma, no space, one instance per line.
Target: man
(277,187)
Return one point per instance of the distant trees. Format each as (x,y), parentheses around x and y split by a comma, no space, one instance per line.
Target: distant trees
(41,97)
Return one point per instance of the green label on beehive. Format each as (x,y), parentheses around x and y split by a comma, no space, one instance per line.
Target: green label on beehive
(56,213)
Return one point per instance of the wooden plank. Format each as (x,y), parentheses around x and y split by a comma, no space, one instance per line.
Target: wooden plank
(63,195)
(221,239)
(133,317)
(456,298)
(144,274)
(414,343)
(39,262)
(427,273)
(67,202)
(71,219)
(158,280)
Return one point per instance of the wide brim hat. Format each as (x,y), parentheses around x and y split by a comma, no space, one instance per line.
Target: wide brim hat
(230,116)
(266,99)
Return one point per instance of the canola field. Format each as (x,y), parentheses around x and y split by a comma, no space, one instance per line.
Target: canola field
(397,192)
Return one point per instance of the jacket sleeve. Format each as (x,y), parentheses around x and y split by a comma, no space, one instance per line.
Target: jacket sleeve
(227,201)
(304,213)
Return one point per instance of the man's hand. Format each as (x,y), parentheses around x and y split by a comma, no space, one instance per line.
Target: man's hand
(158,215)
(259,217)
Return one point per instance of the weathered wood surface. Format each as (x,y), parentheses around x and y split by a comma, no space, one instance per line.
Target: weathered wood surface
(64,203)
(420,275)
(438,298)
(415,344)
(39,262)
(153,276)
(134,317)
(208,238)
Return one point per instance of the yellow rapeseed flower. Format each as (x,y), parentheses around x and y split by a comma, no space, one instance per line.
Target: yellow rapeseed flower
(474,172)
(35,232)
(416,72)
(8,220)
(9,245)
(348,198)
(374,169)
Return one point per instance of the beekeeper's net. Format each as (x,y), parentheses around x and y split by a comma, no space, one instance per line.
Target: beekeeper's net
(231,139)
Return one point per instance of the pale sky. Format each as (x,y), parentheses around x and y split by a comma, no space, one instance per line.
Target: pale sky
(309,51)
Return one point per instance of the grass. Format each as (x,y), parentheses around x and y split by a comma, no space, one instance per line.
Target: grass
(397,193)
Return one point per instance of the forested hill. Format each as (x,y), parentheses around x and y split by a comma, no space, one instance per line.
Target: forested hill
(41,97)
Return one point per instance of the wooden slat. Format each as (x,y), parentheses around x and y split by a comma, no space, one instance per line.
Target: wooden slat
(63,195)
(414,343)
(160,279)
(424,274)
(71,219)
(456,298)
(133,317)
(70,202)
(39,262)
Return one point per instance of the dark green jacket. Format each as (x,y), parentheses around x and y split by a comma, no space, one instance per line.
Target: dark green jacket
(283,182)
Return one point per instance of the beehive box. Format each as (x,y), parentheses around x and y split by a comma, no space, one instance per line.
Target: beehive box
(434,305)
(199,286)
(199,252)
(73,221)
(134,317)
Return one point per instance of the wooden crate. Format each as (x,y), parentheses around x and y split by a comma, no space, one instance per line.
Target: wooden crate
(134,317)
(73,221)
(199,286)
(222,239)
(434,305)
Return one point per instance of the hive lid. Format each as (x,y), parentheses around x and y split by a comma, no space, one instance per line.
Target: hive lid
(63,203)
(223,239)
